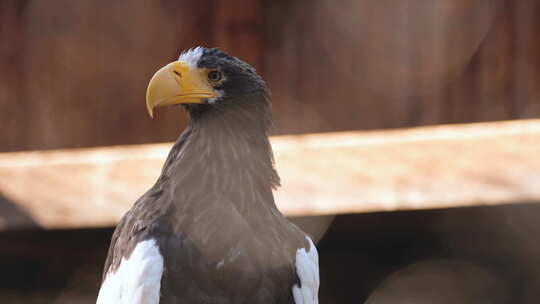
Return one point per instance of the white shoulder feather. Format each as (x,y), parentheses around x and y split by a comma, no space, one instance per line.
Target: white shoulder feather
(137,280)
(307,269)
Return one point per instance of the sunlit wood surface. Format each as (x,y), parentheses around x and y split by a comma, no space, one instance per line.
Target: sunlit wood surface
(330,173)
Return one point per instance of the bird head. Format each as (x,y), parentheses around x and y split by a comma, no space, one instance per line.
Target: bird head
(203,79)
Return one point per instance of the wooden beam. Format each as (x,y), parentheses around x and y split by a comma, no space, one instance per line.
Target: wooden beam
(332,173)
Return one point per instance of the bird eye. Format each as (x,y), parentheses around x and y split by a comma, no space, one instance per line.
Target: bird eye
(215,76)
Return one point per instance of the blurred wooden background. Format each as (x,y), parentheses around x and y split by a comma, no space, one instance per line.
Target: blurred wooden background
(74,73)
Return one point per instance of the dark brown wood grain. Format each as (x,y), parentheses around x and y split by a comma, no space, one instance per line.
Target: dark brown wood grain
(12,106)
(237,28)
(74,73)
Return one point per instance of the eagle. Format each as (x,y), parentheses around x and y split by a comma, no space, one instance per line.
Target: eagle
(208,231)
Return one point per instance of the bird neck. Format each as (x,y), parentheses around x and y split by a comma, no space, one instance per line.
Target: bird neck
(226,153)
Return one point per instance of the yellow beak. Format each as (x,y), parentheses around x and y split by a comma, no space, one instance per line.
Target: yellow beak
(177,83)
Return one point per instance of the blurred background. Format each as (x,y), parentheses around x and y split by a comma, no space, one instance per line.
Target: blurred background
(73,74)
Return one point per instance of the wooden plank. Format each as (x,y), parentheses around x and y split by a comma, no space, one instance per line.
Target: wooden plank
(332,173)
(238,26)
(88,81)
(11,60)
